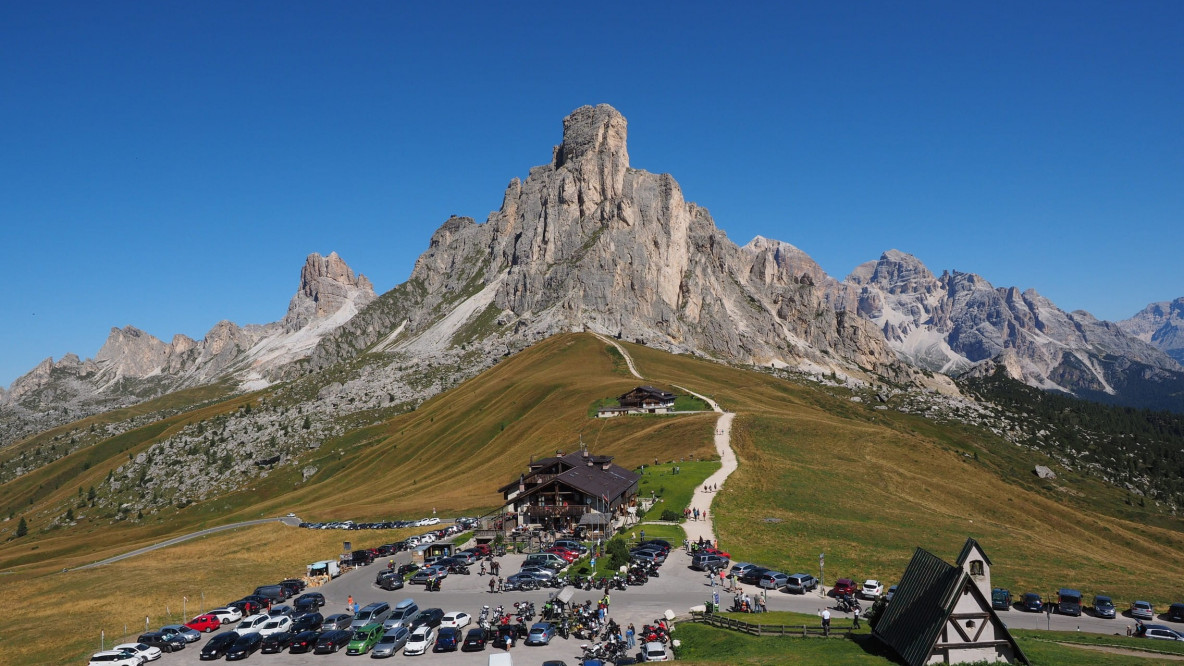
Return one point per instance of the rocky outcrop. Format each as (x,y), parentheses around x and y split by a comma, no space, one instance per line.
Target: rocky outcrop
(326,285)
(1161,325)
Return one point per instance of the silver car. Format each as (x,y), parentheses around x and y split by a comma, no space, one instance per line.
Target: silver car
(391,642)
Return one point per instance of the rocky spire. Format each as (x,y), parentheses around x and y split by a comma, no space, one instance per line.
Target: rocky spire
(326,284)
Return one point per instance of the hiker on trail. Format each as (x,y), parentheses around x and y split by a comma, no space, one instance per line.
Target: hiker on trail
(826,622)
(857,617)
(482,572)
(349,604)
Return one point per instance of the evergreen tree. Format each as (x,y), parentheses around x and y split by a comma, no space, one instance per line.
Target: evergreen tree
(22,528)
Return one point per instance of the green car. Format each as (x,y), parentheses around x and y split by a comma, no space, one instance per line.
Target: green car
(364,639)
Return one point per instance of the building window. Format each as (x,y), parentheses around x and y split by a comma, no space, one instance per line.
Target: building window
(976,567)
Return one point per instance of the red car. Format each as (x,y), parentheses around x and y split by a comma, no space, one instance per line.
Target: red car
(844,586)
(565,554)
(716,551)
(482,550)
(206,623)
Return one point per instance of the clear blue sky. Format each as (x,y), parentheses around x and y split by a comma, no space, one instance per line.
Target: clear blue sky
(168,165)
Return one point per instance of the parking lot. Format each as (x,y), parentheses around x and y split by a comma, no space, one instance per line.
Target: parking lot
(678,588)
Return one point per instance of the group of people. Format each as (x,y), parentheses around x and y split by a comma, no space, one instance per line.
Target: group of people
(744,603)
(694,514)
(711,488)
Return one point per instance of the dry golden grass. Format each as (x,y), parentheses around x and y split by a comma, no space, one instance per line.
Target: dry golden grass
(77,605)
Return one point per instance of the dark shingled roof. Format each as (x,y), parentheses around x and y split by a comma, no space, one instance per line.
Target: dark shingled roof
(926,595)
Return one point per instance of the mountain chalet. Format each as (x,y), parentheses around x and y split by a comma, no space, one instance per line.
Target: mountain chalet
(566,491)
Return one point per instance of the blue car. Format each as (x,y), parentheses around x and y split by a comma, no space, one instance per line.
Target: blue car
(541,633)
(448,640)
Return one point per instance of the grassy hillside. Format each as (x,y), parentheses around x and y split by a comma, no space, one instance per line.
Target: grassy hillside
(867,486)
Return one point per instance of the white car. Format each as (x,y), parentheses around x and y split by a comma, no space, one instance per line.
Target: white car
(252,623)
(872,589)
(458,619)
(655,651)
(421,639)
(148,652)
(431,521)
(115,658)
(228,614)
(275,625)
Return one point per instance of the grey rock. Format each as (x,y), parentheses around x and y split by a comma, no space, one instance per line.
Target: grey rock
(1161,325)
(1044,472)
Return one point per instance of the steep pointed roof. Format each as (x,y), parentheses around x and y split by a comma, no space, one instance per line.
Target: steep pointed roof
(968,548)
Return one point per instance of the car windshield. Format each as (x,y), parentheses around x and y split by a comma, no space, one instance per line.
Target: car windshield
(1142,604)
(361,635)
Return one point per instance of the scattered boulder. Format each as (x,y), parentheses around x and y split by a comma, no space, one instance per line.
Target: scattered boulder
(1044,472)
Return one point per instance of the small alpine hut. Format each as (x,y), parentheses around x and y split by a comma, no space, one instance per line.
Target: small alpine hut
(641,400)
(942,614)
(564,491)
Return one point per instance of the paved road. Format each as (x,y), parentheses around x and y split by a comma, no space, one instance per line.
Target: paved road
(186,537)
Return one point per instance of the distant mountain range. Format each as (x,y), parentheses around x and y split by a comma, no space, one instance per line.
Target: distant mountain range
(586,241)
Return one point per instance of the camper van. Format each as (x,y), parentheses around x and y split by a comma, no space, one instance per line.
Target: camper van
(328,568)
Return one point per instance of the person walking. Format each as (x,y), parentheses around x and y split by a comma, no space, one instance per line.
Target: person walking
(711,578)
(492,584)
(856,625)
(826,622)
(630,636)
(349,604)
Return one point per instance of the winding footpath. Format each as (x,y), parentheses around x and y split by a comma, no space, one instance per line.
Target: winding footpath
(705,526)
(185,537)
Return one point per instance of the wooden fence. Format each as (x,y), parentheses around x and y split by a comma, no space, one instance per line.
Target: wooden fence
(753,629)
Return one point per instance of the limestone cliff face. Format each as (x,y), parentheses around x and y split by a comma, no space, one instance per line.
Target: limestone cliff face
(326,285)
(589,241)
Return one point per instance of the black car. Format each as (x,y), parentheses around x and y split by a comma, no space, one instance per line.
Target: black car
(303,642)
(753,575)
(247,607)
(297,586)
(447,640)
(659,542)
(311,621)
(391,582)
(273,643)
(264,602)
(1176,613)
(474,641)
(332,641)
(246,645)
(309,601)
(216,647)
(408,568)
(165,643)
(428,616)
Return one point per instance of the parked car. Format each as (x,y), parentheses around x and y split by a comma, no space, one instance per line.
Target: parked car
(421,637)
(275,625)
(456,619)
(303,642)
(402,615)
(216,647)
(1159,631)
(428,617)
(390,581)
(705,561)
(171,643)
(250,624)
(872,589)
(205,622)
(337,621)
(1001,599)
(715,551)
(309,601)
(276,611)
(655,651)
(275,643)
(227,614)
(843,587)
(1176,612)
(1104,607)
(541,573)
(800,583)
(753,575)
(1068,602)
(391,642)
(421,577)
(1142,610)
(892,592)
(773,580)
(364,638)
(276,593)
(523,580)
(447,640)
(143,650)
(249,607)
(331,641)
(375,613)
(740,568)
(299,584)
(647,557)
(571,545)
(185,633)
(474,641)
(245,646)
(541,634)
(115,658)
(1031,602)
(310,621)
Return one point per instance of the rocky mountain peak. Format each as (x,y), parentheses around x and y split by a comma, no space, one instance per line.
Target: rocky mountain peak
(130,352)
(899,271)
(1161,325)
(599,131)
(326,284)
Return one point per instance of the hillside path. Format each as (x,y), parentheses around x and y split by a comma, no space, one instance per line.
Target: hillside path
(185,537)
(705,527)
(628,358)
